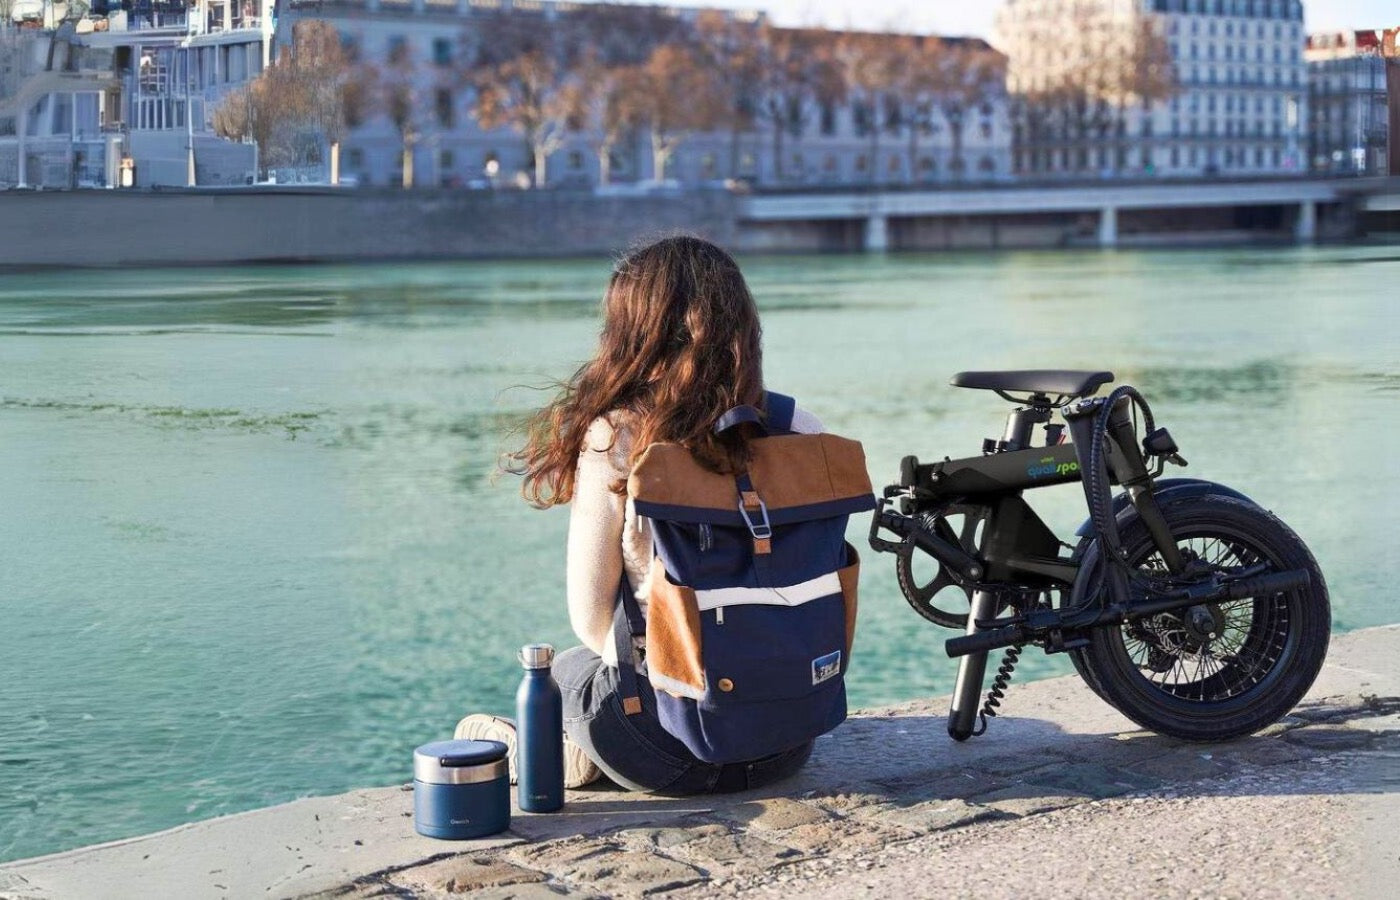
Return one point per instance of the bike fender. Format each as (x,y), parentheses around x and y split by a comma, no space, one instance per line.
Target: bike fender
(1167,490)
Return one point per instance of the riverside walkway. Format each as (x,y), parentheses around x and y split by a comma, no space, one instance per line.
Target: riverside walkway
(1062,794)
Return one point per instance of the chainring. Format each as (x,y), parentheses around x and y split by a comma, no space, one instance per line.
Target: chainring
(920,596)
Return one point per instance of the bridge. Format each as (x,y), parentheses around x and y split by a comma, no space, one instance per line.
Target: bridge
(876,209)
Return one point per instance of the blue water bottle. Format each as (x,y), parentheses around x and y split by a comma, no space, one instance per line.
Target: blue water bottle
(539,716)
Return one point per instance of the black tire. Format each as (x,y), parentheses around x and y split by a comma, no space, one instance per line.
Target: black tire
(1268,651)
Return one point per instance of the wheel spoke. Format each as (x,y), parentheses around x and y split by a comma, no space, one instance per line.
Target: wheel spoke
(1249,638)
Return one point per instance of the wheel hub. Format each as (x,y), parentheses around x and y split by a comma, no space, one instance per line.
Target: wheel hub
(1202,625)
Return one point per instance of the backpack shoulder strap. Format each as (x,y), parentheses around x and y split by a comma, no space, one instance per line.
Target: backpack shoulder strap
(776,417)
(627,621)
(780,408)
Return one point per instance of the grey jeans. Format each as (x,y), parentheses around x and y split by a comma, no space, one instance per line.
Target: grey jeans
(635,751)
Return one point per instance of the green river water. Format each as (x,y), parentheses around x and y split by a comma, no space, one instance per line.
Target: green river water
(254,549)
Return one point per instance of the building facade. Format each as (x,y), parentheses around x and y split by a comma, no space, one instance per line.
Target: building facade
(1348,116)
(836,143)
(116,94)
(1238,105)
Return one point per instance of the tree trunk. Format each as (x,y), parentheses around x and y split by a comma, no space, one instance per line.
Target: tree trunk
(913,150)
(874,143)
(956,163)
(541,162)
(659,152)
(777,152)
(605,164)
(407,165)
(335,162)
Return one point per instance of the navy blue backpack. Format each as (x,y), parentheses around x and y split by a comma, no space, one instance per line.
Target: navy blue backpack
(752,604)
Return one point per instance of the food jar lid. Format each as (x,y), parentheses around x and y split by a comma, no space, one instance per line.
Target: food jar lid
(459,762)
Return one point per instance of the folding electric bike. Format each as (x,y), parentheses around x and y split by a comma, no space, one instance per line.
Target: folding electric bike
(1191,609)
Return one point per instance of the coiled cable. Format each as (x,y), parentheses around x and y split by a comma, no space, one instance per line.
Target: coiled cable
(998,691)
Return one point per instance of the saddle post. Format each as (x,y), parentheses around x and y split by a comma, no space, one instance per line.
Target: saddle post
(972,670)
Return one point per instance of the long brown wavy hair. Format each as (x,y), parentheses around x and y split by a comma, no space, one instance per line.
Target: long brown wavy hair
(680,345)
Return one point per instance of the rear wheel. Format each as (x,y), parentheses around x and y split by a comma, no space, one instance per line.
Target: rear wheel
(1220,670)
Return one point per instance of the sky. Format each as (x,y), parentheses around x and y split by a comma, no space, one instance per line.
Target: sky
(974,17)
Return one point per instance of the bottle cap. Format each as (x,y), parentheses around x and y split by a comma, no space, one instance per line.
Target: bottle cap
(536,656)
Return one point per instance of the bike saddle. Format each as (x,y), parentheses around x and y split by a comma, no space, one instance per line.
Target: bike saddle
(1067,384)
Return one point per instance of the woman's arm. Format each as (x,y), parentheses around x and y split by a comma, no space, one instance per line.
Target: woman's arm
(596,518)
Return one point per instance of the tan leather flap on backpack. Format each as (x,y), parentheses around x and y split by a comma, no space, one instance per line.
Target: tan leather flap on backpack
(787,470)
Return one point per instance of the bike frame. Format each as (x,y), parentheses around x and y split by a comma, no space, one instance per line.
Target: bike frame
(1019,554)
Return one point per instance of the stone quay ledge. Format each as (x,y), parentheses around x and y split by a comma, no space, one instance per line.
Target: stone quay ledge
(1061,794)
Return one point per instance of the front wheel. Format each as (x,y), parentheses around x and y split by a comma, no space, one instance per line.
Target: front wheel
(1220,670)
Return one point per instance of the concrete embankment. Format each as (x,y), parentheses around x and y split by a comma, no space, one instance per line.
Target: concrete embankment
(192,227)
(204,226)
(1062,794)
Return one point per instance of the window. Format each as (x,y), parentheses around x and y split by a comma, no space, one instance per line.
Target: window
(446,112)
(927,165)
(828,119)
(987,130)
(829,164)
(860,117)
(442,52)
(894,114)
(397,49)
(986,164)
(862,163)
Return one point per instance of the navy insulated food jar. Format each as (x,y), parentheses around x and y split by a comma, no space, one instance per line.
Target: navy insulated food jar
(461,789)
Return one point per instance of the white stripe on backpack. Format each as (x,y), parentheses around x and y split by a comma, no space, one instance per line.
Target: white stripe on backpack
(792,595)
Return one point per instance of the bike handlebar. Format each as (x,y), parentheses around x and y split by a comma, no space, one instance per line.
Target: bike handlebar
(986,641)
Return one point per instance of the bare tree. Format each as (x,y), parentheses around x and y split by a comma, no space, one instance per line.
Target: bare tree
(734,50)
(802,70)
(524,78)
(1074,83)
(968,75)
(612,105)
(310,94)
(326,77)
(684,97)
(871,66)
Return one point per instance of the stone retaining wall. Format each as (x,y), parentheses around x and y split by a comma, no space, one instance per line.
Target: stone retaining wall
(190,227)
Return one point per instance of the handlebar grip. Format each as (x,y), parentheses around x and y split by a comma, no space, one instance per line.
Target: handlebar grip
(985,641)
(1267,585)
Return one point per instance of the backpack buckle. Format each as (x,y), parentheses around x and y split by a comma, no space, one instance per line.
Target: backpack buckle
(761,531)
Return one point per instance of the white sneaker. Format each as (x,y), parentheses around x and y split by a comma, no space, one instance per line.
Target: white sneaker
(578,768)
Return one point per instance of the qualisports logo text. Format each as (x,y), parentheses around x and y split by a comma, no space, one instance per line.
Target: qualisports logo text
(1047,466)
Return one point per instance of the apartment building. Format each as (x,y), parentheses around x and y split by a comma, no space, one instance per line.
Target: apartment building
(1238,106)
(122,93)
(1348,115)
(859,139)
